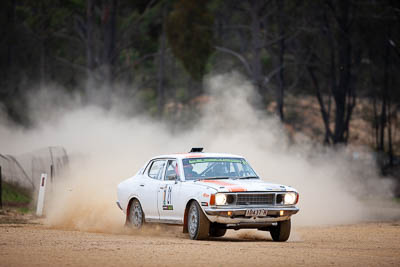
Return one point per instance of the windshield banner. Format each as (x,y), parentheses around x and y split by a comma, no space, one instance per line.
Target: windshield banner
(202,160)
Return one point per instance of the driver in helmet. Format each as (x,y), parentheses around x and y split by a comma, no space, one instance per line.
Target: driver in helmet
(189,173)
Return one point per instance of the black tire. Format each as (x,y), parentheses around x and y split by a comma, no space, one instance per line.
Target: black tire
(281,232)
(135,217)
(198,224)
(217,232)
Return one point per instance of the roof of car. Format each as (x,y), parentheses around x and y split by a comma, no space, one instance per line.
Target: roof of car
(198,155)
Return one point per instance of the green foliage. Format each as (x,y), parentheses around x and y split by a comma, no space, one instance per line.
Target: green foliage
(24,210)
(148,96)
(142,26)
(181,94)
(189,31)
(13,194)
(266,59)
(46,16)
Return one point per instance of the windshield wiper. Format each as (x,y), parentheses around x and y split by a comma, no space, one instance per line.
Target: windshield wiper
(213,178)
(249,177)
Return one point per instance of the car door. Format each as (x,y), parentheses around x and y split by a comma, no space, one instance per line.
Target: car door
(169,195)
(150,186)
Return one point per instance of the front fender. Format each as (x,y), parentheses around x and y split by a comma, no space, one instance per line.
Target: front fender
(202,196)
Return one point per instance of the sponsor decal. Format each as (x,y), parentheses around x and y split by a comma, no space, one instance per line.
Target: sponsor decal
(202,160)
(204,203)
(167,198)
(168,207)
(229,186)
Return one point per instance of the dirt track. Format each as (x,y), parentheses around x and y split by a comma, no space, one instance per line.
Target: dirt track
(369,244)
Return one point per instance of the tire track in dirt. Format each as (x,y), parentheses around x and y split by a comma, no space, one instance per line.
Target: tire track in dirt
(356,245)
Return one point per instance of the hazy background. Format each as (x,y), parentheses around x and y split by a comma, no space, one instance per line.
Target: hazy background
(307,91)
(107,146)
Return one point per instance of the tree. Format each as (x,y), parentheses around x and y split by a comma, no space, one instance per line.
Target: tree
(252,29)
(259,34)
(161,62)
(190,36)
(29,31)
(381,68)
(336,24)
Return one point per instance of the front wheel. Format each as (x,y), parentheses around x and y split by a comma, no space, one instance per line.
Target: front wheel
(198,224)
(135,217)
(281,232)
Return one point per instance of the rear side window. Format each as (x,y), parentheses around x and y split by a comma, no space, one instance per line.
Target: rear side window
(156,169)
(172,169)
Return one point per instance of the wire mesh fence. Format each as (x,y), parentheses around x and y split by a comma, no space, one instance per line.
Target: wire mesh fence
(25,170)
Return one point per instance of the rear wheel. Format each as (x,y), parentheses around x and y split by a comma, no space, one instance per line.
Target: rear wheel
(281,232)
(135,216)
(217,232)
(198,224)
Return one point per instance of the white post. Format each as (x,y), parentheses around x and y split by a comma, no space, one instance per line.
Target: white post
(42,190)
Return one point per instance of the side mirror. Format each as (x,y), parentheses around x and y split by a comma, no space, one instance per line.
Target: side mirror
(172,177)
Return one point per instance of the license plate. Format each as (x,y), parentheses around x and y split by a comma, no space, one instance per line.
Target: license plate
(256,212)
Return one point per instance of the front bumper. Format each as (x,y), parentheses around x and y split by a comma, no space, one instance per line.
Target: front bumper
(236,216)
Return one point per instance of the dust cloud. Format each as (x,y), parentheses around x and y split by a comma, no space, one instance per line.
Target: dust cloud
(107,146)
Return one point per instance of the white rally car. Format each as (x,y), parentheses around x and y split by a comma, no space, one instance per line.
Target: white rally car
(207,193)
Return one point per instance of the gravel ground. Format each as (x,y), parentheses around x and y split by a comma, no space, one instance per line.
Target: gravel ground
(34,244)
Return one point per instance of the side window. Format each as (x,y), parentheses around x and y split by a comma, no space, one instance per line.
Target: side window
(156,169)
(172,168)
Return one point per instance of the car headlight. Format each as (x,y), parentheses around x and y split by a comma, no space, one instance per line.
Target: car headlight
(220,199)
(290,198)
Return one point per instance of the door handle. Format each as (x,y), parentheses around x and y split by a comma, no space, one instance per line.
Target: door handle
(142,185)
(162,187)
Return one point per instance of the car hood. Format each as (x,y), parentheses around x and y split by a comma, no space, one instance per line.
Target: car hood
(242,185)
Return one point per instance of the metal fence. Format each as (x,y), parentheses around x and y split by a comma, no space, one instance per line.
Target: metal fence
(24,170)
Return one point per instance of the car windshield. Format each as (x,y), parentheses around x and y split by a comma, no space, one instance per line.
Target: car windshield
(217,168)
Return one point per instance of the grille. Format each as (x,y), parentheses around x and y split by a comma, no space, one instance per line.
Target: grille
(255,199)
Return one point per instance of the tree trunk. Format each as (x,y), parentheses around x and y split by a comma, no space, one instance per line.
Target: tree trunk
(161,65)
(109,23)
(386,109)
(325,114)
(42,63)
(10,45)
(90,41)
(340,90)
(256,45)
(390,136)
(376,123)
(11,37)
(281,84)
(383,117)
(9,85)
(344,93)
